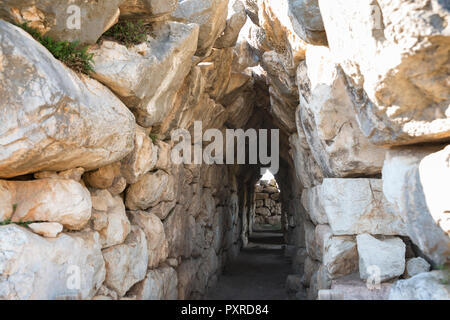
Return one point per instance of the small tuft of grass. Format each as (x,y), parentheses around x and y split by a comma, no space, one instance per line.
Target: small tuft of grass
(20,223)
(154,137)
(446,271)
(72,54)
(128,32)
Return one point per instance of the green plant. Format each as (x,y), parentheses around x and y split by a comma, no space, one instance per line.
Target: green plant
(9,221)
(70,53)
(20,223)
(446,273)
(154,137)
(128,32)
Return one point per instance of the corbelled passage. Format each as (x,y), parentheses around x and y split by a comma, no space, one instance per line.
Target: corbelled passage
(92,205)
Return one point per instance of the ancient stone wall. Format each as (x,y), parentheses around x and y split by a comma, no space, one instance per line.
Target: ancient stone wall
(267,204)
(93,207)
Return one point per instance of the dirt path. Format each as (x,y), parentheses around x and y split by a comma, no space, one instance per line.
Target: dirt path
(259,273)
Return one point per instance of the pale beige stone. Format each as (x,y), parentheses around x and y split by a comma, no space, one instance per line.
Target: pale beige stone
(147,76)
(210,15)
(50,200)
(153,228)
(36,268)
(126,264)
(147,9)
(46,229)
(356,206)
(159,284)
(414,182)
(93,129)
(150,190)
(329,121)
(142,159)
(110,219)
(395,55)
(55,18)
(103,177)
(380,259)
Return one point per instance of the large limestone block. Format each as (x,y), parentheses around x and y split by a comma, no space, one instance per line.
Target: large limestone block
(279,30)
(380,259)
(51,118)
(340,256)
(395,54)
(216,70)
(351,287)
(424,286)
(103,178)
(147,77)
(35,268)
(126,264)
(312,245)
(159,284)
(6,201)
(46,229)
(180,230)
(235,21)
(51,200)
(307,170)
(414,266)
(109,218)
(313,206)
(356,206)
(147,10)
(210,15)
(329,120)
(76,20)
(142,159)
(186,272)
(307,21)
(154,232)
(415,182)
(150,190)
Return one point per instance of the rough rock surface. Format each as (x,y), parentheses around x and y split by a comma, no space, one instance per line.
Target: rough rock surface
(147,9)
(355,206)
(424,286)
(307,21)
(150,190)
(141,160)
(380,259)
(414,266)
(39,268)
(351,287)
(395,54)
(89,162)
(51,200)
(110,219)
(147,76)
(154,232)
(126,264)
(46,229)
(328,119)
(159,284)
(235,21)
(413,183)
(210,15)
(54,120)
(80,20)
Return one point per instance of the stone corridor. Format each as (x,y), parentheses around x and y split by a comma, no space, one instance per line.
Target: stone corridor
(258,273)
(94,203)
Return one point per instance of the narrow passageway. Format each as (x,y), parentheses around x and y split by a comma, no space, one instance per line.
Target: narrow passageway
(258,273)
